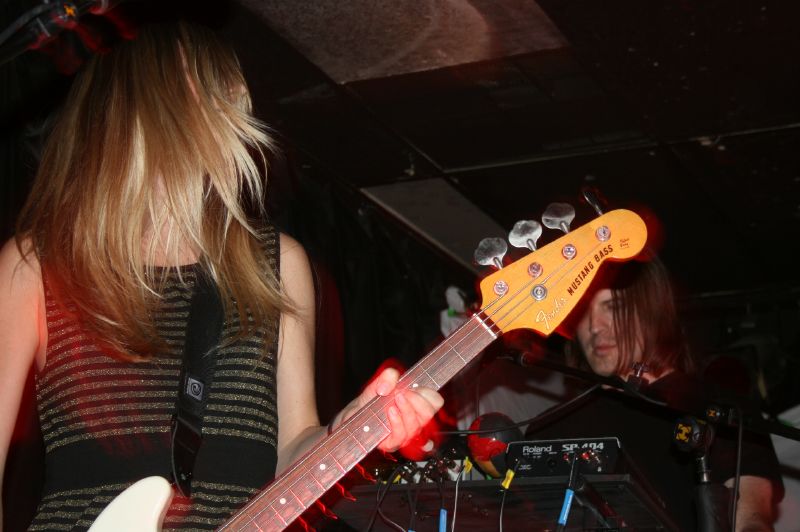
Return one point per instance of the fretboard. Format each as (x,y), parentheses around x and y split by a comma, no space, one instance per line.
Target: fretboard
(288,496)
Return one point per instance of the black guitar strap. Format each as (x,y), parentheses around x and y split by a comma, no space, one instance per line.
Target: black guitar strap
(206,316)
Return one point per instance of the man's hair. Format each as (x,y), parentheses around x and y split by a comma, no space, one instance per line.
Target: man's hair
(155,143)
(644,300)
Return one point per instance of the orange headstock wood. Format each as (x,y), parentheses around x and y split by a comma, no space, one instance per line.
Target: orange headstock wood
(516,297)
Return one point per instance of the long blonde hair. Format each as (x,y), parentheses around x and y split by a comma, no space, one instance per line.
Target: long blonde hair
(154,149)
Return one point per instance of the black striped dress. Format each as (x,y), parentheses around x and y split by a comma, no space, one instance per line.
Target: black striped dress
(106,423)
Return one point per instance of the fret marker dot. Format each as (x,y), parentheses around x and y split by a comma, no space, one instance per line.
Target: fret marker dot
(415,385)
(366,428)
(322,467)
(282,501)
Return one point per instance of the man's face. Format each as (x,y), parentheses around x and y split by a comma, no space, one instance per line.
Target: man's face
(596,336)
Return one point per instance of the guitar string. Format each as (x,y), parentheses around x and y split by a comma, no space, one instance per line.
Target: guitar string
(526,309)
(505,302)
(291,477)
(478,324)
(467,334)
(510,305)
(563,269)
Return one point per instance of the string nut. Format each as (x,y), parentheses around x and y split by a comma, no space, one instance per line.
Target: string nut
(569,251)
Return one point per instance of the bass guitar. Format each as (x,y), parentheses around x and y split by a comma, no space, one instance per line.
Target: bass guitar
(535,292)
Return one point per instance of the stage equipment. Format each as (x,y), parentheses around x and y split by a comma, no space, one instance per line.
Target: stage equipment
(531,503)
(553,457)
(41,23)
(488,450)
(696,436)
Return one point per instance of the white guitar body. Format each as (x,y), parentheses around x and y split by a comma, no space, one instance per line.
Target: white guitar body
(140,508)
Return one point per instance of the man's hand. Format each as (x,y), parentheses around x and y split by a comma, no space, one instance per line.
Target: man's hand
(755,512)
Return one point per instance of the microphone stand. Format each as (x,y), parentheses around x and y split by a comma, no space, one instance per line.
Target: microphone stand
(717,412)
(711,499)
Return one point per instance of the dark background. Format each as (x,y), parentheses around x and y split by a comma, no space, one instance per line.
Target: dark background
(685,111)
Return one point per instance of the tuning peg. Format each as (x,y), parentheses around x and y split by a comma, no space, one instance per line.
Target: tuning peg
(558,216)
(491,251)
(525,234)
(591,198)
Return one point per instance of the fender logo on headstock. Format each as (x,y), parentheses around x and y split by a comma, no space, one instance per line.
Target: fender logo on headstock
(546,317)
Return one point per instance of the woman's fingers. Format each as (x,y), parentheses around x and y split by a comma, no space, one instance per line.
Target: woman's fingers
(412,410)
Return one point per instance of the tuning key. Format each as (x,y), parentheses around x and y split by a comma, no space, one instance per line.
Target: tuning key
(591,198)
(491,251)
(525,234)
(558,216)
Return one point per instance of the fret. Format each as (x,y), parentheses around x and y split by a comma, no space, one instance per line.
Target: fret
(382,425)
(454,349)
(287,507)
(252,526)
(365,441)
(257,520)
(308,489)
(441,365)
(355,435)
(438,368)
(444,368)
(326,471)
(369,425)
(257,510)
(436,385)
(419,378)
(243,521)
(348,453)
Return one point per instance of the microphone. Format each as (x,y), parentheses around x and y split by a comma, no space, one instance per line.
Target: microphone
(636,379)
(526,359)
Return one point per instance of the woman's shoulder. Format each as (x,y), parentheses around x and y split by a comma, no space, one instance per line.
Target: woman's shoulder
(22,327)
(293,255)
(19,264)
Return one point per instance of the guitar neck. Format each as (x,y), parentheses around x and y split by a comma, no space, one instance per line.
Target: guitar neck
(286,498)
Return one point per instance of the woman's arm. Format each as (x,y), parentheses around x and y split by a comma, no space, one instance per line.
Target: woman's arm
(298,422)
(23,335)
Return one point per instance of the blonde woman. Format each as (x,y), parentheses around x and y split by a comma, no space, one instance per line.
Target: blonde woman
(150,179)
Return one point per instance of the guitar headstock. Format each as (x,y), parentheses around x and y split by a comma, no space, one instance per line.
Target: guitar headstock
(539,290)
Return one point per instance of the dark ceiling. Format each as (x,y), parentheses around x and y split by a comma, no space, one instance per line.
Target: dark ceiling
(460,117)
(685,109)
